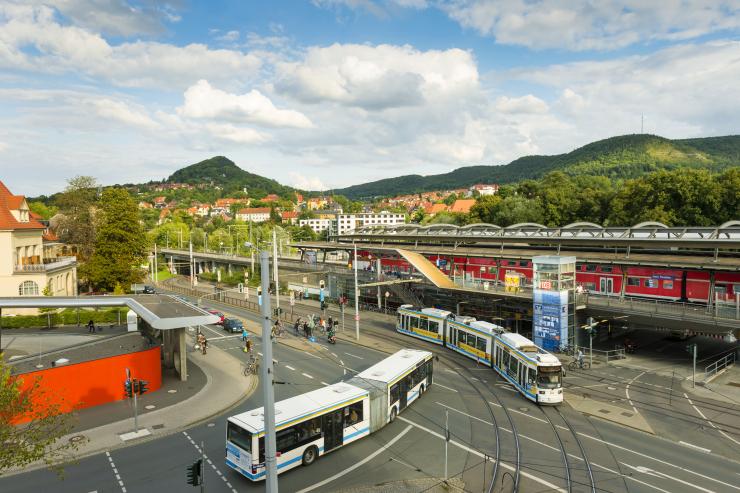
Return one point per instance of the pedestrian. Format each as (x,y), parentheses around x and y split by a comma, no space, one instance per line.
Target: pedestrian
(305,328)
(330,322)
(296,326)
(579,358)
(248,346)
(245,334)
(204,345)
(91,326)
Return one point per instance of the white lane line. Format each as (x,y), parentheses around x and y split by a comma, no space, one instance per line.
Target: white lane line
(307,375)
(313,355)
(627,391)
(611,444)
(440,385)
(115,472)
(354,356)
(617,473)
(343,368)
(324,384)
(357,464)
(658,474)
(464,414)
(483,456)
(527,415)
(450,371)
(708,421)
(335,355)
(222,337)
(695,447)
(289,367)
(218,334)
(210,463)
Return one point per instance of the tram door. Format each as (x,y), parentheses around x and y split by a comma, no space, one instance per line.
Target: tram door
(606,285)
(332,428)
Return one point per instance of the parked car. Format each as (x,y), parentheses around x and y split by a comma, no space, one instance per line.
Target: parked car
(149,290)
(220,316)
(233,325)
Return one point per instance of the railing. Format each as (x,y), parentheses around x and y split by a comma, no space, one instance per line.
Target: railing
(665,307)
(719,365)
(56,263)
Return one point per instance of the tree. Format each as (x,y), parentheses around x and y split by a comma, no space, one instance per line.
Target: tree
(40,208)
(450,199)
(120,244)
(42,424)
(78,223)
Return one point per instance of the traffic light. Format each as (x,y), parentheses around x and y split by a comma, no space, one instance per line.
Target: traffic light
(142,387)
(193,472)
(241,287)
(128,390)
(321,284)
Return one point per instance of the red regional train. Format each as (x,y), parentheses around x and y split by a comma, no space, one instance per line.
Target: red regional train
(646,282)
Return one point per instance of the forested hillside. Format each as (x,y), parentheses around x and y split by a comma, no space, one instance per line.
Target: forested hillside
(623,157)
(223,172)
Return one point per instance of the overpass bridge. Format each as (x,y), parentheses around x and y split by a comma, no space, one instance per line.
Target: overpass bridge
(719,320)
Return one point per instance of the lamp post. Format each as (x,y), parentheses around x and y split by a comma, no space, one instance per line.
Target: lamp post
(357,299)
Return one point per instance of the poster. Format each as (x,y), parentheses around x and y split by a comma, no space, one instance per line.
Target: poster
(550,319)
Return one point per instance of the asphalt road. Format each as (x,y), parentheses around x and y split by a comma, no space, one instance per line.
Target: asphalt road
(620,459)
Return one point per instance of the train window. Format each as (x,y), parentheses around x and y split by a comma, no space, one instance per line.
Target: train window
(413,322)
(531,376)
(607,268)
(523,263)
(395,394)
(513,366)
(633,281)
(651,283)
(668,284)
(492,270)
(590,268)
(462,337)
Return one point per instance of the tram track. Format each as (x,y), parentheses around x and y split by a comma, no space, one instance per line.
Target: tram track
(568,468)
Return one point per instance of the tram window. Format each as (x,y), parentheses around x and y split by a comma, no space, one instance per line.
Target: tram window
(424,324)
(513,364)
(523,263)
(505,360)
(492,270)
(462,337)
(480,344)
(607,268)
(414,323)
(548,380)
(590,268)
(531,375)
(433,326)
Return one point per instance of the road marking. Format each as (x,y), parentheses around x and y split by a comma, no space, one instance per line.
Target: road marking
(222,337)
(312,355)
(450,371)
(307,375)
(115,471)
(483,456)
(218,334)
(617,473)
(464,414)
(335,355)
(324,384)
(658,474)
(527,415)
(696,447)
(210,463)
(611,444)
(354,356)
(705,418)
(356,465)
(440,385)
(473,378)
(627,391)
(289,367)
(343,368)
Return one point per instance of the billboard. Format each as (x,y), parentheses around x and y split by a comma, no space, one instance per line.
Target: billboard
(550,319)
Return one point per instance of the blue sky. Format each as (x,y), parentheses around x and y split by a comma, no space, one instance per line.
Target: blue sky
(329,93)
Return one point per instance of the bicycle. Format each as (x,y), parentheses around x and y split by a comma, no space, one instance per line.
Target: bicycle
(573,365)
(252,366)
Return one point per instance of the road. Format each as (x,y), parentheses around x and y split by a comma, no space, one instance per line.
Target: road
(621,459)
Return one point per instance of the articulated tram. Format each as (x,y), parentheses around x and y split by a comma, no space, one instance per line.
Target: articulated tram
(534,372)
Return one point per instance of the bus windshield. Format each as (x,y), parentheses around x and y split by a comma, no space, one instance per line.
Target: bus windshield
(548,379)
(239,437)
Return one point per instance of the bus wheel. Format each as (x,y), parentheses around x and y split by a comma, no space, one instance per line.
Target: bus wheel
(309,455)
(393,413)
(421,390)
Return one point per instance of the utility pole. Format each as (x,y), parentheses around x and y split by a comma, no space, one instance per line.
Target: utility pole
(275,270)
(192,266)
(693,371)
(357,299)
(202,467)
(447,437)
(271,485)
(156,267)
(377,277)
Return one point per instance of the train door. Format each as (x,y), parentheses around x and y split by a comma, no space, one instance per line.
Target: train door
(332,428)
(606,285)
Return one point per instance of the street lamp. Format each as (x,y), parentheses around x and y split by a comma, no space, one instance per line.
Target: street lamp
(387,294)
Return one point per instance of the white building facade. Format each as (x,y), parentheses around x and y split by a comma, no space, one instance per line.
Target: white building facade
(317,225)
(254,214)
(348,222)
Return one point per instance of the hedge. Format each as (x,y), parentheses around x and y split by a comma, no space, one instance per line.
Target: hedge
(65,317)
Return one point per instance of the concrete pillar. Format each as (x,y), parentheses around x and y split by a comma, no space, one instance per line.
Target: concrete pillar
(230,267)
(213,266)
(182,354)
(167,349)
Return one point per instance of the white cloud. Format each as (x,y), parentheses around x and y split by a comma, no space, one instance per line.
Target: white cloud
(239,135)
(61,48)
(524,104)
(230,36)
(589,25)
(3,146)
(303,182)
(378,77)
(124,113)
(204,101)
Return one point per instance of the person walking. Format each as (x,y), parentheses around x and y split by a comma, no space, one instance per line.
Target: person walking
(245,334)
(248,345)
(579,358)
(91,326)
(296,326)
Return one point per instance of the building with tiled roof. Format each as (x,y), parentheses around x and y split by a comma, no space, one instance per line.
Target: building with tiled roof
(271,198)
(290,217)
(254,214)
(462,205)
(433,209)
(25,268)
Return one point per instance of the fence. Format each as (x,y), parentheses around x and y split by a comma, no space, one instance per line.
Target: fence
(663,307)
(719,365)
(605,356)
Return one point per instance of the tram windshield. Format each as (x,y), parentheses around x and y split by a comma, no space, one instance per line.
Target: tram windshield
(548,377)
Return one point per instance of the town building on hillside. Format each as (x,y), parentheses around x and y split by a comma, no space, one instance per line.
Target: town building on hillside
(289,217)
(317,225)
(432,210)
(271,198)
(254,214)
(299,199)
(160,202)
(316,203)
(163,215)
(462,205)
(348,222)
(25,270)
(483,189)
(145,205)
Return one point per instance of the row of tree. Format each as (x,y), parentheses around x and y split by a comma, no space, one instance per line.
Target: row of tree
(683,197)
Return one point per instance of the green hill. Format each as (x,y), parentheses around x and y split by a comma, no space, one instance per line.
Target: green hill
(223,172)
(626,156)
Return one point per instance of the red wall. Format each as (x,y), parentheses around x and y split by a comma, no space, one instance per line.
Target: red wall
(92,383)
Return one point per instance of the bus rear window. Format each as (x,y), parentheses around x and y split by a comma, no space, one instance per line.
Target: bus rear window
(239,437)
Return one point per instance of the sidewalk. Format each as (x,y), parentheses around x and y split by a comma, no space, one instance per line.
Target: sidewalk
(225,387)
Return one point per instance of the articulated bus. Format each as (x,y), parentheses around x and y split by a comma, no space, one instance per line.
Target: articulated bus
(534,372)
(311,424)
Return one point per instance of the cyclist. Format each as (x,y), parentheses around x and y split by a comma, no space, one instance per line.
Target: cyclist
(579,358)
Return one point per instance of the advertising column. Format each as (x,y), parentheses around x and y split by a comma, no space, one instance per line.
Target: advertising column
(554,279)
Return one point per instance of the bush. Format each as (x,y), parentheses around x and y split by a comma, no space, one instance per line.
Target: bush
(65,317)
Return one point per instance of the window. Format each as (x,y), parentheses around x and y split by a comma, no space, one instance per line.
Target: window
(239,437)
(353,414)
(492,269)
(523,263)
(433,326)
(651,283)
(668,284)
(633,281)
(607,268)
(395,394)
(28,288)
(590,268)
(480,344)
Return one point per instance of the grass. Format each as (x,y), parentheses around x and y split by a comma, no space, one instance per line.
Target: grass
(163,275)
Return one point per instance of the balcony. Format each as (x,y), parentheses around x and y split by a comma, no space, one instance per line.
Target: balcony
(49,265)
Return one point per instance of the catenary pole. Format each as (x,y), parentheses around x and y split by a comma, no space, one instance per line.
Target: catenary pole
(357,299)
(192,273)
(275,271)
(271,485)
